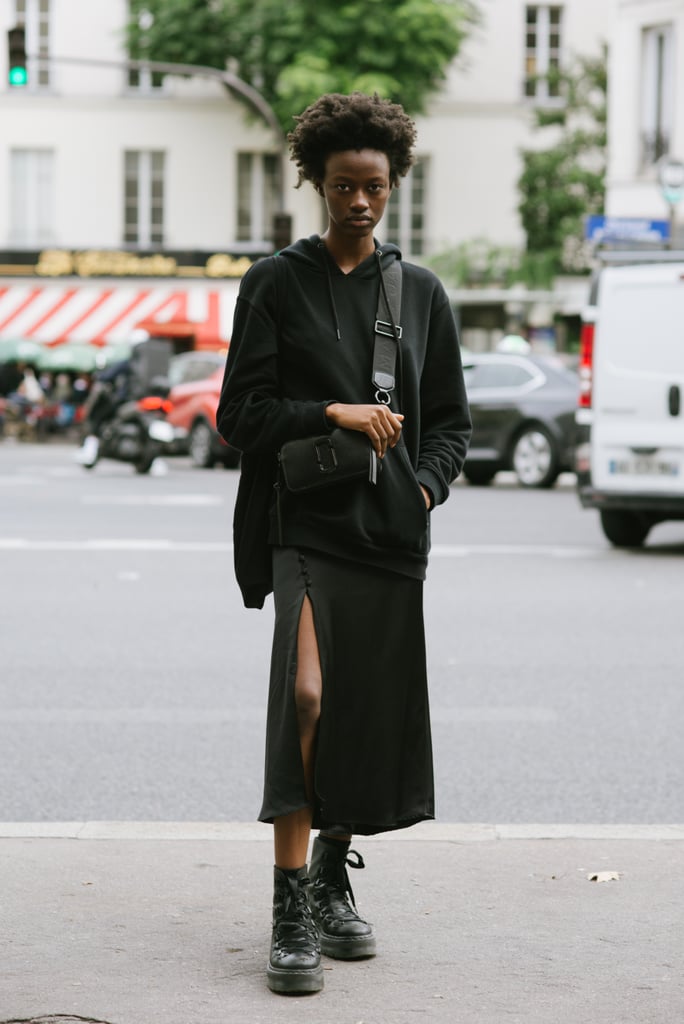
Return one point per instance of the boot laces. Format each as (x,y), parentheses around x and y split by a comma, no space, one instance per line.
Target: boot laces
(338,888)
(295,925)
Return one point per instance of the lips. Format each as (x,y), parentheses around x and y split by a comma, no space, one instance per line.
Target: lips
(359,220)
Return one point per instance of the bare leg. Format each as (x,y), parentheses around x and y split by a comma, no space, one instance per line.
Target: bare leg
(291,831)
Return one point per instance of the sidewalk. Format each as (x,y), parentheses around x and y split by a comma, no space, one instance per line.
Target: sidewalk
(134,923)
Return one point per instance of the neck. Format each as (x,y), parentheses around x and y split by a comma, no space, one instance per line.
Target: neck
(348,253)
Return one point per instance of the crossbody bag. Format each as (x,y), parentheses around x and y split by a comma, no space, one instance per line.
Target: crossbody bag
(309,463)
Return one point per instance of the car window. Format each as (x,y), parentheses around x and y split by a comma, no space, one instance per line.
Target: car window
(186,369)
(200,368)
(498,375)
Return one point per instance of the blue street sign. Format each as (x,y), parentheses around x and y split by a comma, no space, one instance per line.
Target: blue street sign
(625,229)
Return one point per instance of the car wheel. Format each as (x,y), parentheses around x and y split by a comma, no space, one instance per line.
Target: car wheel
(624,529)
(201,445)
(535,458)
(479,476)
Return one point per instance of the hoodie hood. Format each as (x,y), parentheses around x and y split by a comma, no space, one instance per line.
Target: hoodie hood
(312,253)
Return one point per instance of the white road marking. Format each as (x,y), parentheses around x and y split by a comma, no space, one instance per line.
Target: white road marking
(166,500)
(151,545)
(527,550)
(210,547)
(230,715)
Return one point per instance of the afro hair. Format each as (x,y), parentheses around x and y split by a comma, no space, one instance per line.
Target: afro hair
(336,123)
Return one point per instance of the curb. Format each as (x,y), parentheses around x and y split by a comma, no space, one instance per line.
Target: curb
(256,832)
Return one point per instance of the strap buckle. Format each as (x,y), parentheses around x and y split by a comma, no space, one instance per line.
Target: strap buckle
(385,327)
(326,457)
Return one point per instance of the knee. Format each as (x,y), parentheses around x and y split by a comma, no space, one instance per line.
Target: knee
(308,699)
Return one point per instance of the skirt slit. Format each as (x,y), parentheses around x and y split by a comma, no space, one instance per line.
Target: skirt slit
(373,755)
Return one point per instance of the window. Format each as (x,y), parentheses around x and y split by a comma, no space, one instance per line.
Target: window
(257,196)
(32,198)
(144,198)
(657,93)
(143,80)
(543,25)
(406,212)
(35,16)
(499,375)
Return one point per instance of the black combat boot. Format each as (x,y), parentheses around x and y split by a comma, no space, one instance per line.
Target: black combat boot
(344,935)
(295,962)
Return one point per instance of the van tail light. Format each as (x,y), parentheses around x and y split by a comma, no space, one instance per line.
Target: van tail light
(151,403)
(586,365)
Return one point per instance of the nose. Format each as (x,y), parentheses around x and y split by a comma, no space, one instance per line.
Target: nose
(359,200)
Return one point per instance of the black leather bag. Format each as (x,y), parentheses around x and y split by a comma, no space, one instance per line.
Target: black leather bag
(312,462)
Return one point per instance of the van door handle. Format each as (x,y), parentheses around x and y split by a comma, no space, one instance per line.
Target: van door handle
(674,400)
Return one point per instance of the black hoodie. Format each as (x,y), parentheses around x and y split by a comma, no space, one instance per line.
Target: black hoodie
(303,338)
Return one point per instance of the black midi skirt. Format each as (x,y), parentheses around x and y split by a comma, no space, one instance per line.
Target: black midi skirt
(373,762)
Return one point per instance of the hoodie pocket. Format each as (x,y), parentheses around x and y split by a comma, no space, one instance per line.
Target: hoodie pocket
(400,518)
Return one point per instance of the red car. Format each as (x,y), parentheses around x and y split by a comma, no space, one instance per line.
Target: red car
(194,403)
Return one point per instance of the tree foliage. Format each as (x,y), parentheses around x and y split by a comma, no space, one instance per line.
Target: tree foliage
(294,52)
(565,181)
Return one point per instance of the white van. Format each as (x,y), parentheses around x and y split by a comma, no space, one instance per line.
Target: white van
(630,440)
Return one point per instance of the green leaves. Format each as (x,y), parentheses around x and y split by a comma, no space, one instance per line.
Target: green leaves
(562,184)
(293,52)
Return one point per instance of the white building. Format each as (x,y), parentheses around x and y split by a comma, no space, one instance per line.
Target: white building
(646,101)
(110,175)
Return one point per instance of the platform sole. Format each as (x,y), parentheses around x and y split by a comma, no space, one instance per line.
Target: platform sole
(294,982)
(361,947)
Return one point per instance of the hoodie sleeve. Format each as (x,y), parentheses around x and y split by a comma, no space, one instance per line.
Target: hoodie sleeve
(252,415)
(445,417)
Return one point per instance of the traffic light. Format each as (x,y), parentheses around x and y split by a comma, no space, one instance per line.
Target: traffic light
(17,75)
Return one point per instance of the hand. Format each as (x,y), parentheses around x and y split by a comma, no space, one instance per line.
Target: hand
(426,495)
(382,426)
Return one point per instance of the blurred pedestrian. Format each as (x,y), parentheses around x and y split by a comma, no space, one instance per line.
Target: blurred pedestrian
(348,746)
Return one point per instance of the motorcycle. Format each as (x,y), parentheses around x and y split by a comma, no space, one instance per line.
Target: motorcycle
(137,432)
(126,410)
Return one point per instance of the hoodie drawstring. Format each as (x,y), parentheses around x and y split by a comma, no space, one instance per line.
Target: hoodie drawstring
(326,260)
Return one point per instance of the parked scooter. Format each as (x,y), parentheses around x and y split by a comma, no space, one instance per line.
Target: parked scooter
(126,410)
(138,433)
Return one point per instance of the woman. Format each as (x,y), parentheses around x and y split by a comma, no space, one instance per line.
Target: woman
(348,746)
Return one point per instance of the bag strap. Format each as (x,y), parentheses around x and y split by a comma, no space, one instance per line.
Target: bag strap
(387,331)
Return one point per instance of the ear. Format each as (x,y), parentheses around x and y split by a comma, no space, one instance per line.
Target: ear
(318,186)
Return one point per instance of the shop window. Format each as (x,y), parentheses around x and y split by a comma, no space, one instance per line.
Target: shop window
(144,198)
(543,38)
(257,196)
(405,214)
(657,89)
(32,205)
(34,15)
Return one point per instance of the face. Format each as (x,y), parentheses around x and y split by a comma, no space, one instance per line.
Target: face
(356,188)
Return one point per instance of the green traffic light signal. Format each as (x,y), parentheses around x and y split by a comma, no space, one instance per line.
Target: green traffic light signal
(17,74)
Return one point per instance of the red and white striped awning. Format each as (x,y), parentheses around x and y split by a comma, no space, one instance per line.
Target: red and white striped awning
(105,312)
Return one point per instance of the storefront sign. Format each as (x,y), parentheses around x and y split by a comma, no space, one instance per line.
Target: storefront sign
(51,263)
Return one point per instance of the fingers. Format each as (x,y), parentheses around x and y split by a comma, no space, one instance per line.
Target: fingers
(382,426)
(386,430)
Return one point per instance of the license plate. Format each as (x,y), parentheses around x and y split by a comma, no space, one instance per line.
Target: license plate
(643,465)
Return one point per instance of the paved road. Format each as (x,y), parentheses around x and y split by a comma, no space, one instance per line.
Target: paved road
(133,681)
